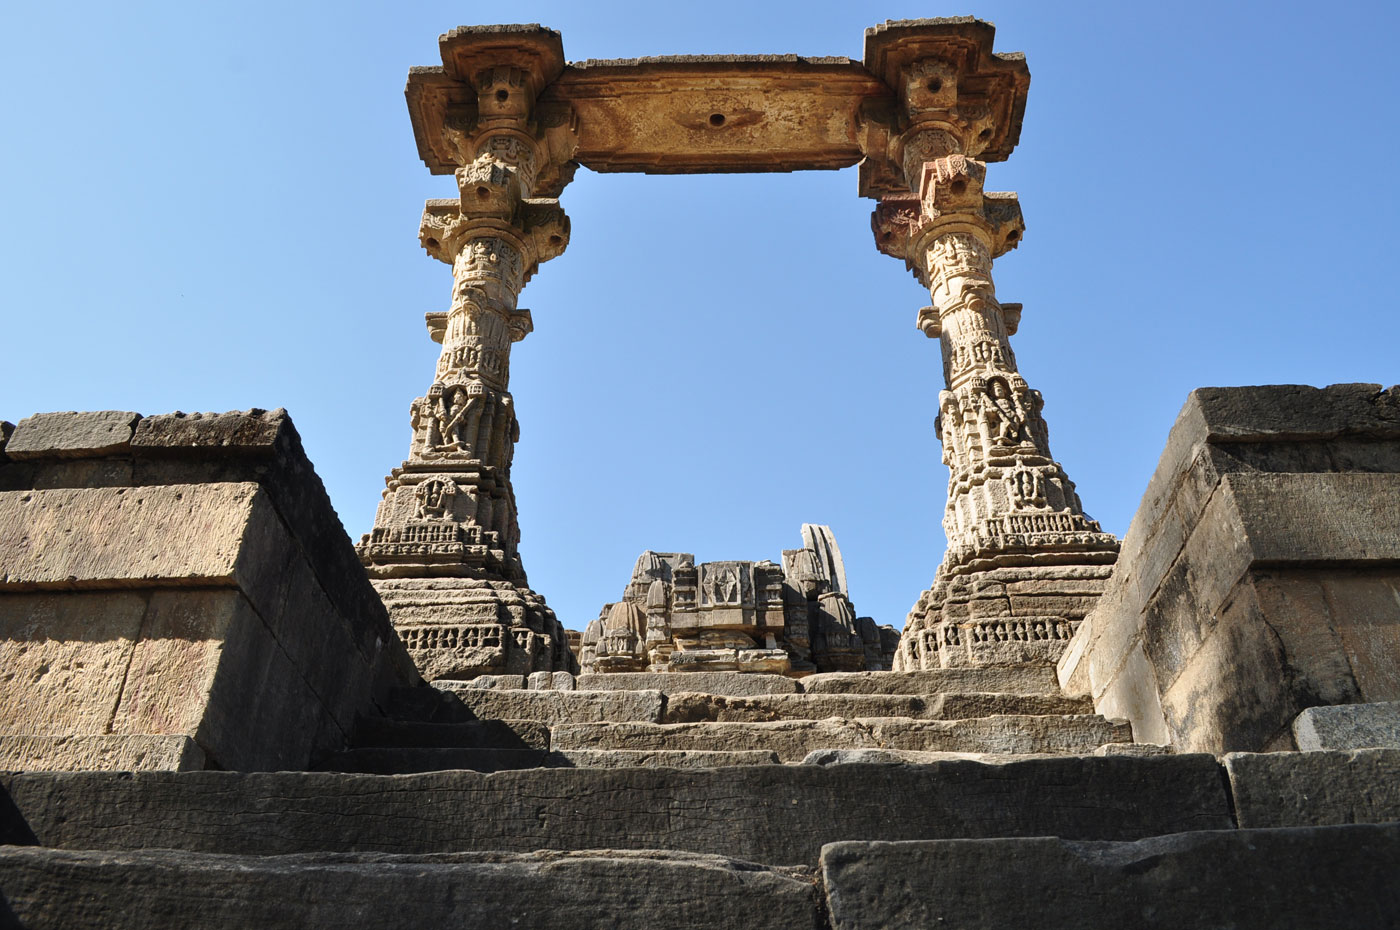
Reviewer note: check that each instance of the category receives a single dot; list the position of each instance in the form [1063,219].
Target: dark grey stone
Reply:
[70,434]
[1288,789]
[1308,877]
[766,813]
[42,889]
[1349,726]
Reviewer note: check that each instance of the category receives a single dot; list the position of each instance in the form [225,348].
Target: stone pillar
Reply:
[1024,563]
[444,549]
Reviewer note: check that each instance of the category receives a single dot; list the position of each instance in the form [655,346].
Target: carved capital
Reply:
[952,95]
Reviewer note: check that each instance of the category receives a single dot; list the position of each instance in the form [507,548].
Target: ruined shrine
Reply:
[793,619]
[218,711]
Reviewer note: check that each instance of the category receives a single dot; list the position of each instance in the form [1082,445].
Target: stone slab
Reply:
[1281,879]
[1349,726]
[415,760]
[496,682]
[1287,789]
[673,758]
[71,434]
[106,752]
[792,740]
[765,813]
[483,734]
[43,889]
[731,683]
[695,708]
[1025,680]
[558,707]
[76,537]
[64,659]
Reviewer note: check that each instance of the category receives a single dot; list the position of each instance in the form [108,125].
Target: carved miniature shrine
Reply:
[793,619]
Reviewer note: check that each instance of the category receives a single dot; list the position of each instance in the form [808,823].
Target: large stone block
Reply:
[43,889]
[64,659]
[764,813]
[1258,577]
[118,753]
[1349,726]
[72,435]
[114,537]
[1287,789]
[792,740]
[1301,878]
[558,707]
[189,579]
[732,683]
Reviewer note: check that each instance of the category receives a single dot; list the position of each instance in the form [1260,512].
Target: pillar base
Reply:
[1007,616]
[461,628]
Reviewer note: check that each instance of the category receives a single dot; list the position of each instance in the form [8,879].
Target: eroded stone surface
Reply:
[72,434]
[792,740]
[555,707]
[49,889]
[1349,726]
[1288,789]
[763,813]
[1247,879]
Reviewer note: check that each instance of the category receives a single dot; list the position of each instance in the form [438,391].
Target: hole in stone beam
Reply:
[502,95]
[935,85]
[985,134]
[1013,235]
[483,192]
[431,243]
[958,186]
[555,240]
[716,119]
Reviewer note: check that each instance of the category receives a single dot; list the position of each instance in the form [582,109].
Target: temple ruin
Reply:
[793,619]
[218,711]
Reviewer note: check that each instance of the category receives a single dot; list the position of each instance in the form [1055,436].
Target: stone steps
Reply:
[48,889]
[1295,878]
[410,760]
[1021,680]
[773,814]
[792,740]
[686,707]
[380,732]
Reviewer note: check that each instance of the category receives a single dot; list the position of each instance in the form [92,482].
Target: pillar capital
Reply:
[485,100]
[952,96]
[534,231]
[950,202]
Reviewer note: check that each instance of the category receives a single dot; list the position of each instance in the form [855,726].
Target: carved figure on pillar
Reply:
[443,553]
[1024,563]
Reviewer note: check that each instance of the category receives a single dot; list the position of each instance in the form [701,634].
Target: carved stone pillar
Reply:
[1024,563]
[443,553]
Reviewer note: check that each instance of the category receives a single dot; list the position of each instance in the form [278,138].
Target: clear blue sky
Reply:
[214,206]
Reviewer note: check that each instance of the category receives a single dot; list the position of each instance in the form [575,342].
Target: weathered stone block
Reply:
[1349,726]
[559,707]
[692,708]
[764,813]
[1257,580]
[72,435]
[109,752]
[99,537]
[732,683]
[48,889]
[1289,789]
[1246,879]
[64,659]
[1024,680]
[792,740]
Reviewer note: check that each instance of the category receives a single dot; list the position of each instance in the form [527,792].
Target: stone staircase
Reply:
[885,801]
[740,719]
